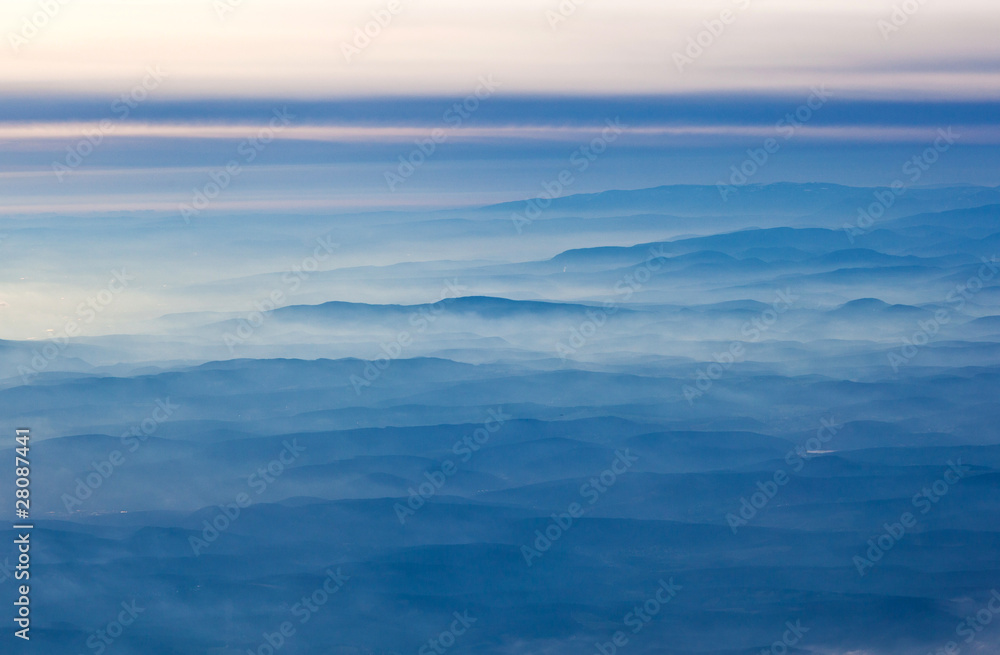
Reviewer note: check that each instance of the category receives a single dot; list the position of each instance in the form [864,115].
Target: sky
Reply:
[165,92]
[429,47]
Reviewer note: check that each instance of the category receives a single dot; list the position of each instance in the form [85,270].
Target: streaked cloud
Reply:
[294,48]
[33,132]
